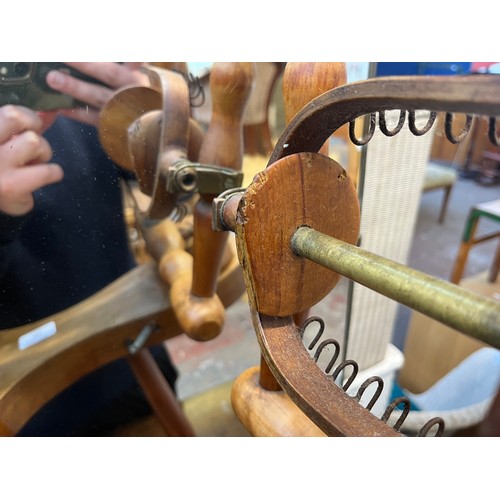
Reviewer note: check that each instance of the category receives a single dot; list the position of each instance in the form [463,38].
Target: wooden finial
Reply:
[303,81]
[230,86]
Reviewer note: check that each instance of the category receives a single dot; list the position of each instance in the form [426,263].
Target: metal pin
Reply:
[142,338]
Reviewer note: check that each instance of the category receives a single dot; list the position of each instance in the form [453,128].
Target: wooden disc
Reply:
[119,113]
[303,189]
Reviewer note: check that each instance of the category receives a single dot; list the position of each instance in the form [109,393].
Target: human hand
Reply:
[113,76]
[24,156]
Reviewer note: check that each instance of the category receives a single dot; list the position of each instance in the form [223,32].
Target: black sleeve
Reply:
[10,228]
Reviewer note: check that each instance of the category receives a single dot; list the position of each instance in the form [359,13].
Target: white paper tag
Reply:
[37,335]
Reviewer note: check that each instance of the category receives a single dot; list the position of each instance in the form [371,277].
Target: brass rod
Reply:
[450,304]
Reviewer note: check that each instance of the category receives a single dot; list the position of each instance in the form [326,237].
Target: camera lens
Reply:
[21,69]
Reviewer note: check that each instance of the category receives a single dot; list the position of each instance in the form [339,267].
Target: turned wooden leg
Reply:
[444,205]
[159,394]
[465,246]
[495,267]
[230,87]
[302,82]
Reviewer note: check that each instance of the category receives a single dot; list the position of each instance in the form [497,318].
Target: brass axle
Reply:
[450,304]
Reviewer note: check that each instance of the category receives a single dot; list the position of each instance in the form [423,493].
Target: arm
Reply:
[24,167]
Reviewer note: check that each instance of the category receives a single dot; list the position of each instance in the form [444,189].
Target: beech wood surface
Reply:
[257,134]
[267,413]
[230,86]
[89,335]
[315,393]
[126,105]
[266,378]
[303,189]
[201,318]
[160,395]
[302,82]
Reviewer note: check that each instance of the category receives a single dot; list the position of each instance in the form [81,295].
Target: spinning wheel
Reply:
[148,130]
[308,238]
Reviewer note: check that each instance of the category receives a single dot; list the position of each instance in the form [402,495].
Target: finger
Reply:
[26,147]
[17,186]
[17,119]
[90,93]
[113,74]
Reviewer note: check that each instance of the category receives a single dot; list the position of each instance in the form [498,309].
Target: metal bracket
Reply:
[188,177]
[218,204]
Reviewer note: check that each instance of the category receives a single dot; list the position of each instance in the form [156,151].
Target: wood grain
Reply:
[269,413]
[304,81]
[89,335]
[230,86]
[303,189]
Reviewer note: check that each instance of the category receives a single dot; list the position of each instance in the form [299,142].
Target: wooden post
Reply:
[230,86]
[302,82]
[160,395]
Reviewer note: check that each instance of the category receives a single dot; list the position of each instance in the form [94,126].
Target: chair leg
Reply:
[465,246]
[160,395]
[495,267]
[444,205]
[458,268]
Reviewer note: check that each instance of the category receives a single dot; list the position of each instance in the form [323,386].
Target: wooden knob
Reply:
[118,115]
[230,87]
[200,318]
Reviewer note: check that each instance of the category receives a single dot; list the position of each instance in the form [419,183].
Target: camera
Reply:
[24,84]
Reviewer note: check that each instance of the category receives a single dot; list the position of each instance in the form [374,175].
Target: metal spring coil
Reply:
[424,431]
[195,87]
[448,127]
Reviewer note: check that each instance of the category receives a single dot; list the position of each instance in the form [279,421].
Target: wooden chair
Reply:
[296,227]
[186,286]
[482,211]
[489,171]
